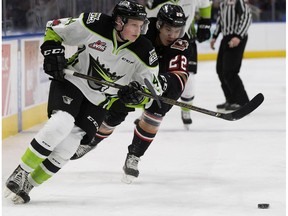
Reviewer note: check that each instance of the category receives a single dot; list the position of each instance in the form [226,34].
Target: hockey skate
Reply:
[84,149]
[186,118]
[222,107]
[232,107]
[18,187]
[81,151]
[130,169]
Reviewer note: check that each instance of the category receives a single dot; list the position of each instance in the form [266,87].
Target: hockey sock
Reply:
[104,131]
[33,156]
[47,169]
[98,138]
[188,101]
[140,142]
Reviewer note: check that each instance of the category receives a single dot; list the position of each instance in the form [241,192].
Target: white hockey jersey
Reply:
[100,55]
[189,7]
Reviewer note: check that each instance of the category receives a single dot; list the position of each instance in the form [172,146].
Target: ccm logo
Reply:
[53,51]
[94,122]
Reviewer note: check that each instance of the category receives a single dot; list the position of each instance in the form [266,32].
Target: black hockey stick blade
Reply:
[245,110]
[153,92]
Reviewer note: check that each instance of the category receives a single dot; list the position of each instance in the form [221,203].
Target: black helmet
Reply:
[127,9]
[173,15]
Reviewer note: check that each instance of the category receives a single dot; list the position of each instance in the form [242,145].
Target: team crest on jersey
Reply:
[98,70]
[99,45]
[153,57]
[92,17]
[180,44]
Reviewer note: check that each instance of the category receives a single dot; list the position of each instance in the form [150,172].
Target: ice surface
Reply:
[216,168]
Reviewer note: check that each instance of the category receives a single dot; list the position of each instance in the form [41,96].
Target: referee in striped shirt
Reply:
[233,21]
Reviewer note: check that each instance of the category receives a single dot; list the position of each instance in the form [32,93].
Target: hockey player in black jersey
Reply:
[167,35]
[201,34]
[110,48]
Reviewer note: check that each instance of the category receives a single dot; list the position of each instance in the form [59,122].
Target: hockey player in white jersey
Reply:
[167,33]
[202,34]
[110,48]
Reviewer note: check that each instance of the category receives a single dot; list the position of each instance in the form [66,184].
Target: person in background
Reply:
[234,19]
[201,34]
[109,48]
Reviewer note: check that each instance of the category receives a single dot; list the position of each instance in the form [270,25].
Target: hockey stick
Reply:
[236,115]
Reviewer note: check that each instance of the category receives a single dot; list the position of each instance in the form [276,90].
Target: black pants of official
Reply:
[228,67]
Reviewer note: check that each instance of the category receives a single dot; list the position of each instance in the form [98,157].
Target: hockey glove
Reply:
[54,59]
[128,94]
[203,30]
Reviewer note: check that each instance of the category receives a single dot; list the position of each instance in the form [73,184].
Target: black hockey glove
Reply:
[203,30]
[54,59]
[128,93]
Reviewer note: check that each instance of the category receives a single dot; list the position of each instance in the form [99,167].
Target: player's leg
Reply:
[144,133]
[188,94]
[114,117]
[147,128]
[51,165]
[188,97]
[56,129]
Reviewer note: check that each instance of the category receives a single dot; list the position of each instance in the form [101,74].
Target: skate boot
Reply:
[186,118]
[83,150]
[18,187]
[222,107]
[232,107]
[14,182]
[130,168]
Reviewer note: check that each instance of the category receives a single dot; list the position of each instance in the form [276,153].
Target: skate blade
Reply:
[17,200]
[128,179]
[8,193]
[225,111]
[186,127]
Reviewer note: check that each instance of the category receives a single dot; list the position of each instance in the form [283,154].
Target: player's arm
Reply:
[146,68]
[177,74]
[204,23]
[53,52]
[58,32]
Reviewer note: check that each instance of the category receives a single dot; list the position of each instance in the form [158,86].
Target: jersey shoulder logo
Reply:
[99,45]
[153,57]
[180,44]
[92,17]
